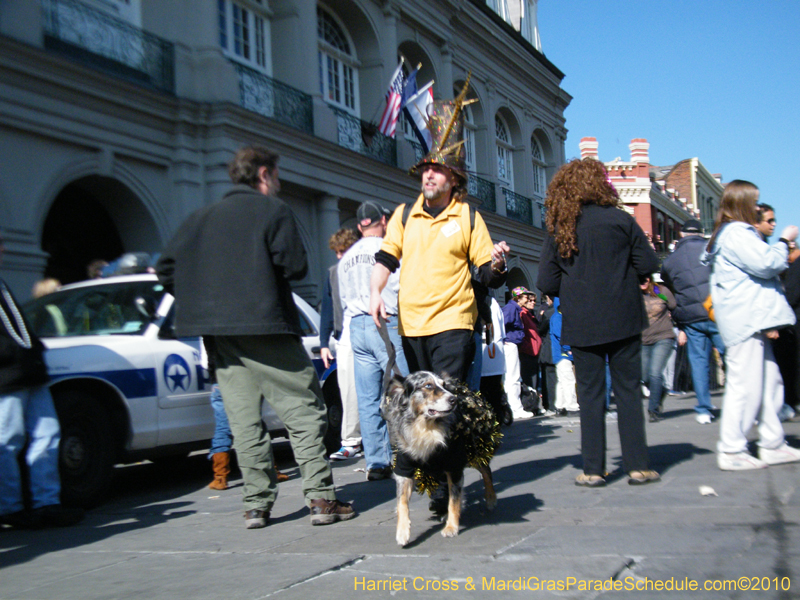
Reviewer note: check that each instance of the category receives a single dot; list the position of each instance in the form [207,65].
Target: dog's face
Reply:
[420,395]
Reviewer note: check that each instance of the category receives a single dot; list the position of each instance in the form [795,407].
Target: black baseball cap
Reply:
[692,226]
[370,212]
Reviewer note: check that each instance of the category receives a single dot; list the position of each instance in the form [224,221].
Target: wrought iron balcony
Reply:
[483,190]
[518,207]
[274,99]
[542,214]
[364,138]
[103,42]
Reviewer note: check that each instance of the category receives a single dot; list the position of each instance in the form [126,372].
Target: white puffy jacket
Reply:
[745,289]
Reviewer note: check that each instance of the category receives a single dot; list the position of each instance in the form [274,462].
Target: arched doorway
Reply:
[94,218]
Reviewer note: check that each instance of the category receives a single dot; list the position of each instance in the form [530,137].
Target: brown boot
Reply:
[221,463]
[281,476]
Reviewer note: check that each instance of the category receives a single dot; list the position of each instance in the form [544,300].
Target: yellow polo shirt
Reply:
[435,290]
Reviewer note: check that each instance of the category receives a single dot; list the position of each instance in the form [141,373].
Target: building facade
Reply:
[658,209]
[119,117]
[702,190]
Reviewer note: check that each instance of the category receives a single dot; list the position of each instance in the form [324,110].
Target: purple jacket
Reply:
[515,330]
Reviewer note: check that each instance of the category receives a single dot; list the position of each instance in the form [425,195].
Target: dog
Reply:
[436,426]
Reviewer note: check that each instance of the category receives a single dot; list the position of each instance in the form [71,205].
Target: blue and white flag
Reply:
[416,112]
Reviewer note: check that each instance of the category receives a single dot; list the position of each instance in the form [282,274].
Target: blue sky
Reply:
[713,79]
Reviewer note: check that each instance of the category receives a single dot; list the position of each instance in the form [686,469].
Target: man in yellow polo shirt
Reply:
[437,241]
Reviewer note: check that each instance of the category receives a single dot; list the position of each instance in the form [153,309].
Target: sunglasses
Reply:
[771,221]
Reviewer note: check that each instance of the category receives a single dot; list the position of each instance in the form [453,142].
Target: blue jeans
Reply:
[654,358]
[29,413]
[700,338]
[369,361]
[223,438]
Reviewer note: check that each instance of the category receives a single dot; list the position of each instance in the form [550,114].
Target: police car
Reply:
[126,388]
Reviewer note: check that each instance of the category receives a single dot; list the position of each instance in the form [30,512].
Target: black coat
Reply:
[20,367]
[791,281]
[543,313]
[688,279]
[601,301]
[229,267]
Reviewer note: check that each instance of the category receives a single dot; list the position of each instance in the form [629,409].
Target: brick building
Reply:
[661,199]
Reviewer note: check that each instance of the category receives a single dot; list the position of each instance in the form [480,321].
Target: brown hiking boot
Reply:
[281,476]
[221,464]
[325,512]
[256,518]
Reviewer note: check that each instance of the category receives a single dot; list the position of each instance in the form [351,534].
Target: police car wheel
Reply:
[86,452]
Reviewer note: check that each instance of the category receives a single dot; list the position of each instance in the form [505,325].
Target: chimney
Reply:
[639,150]
[588,148]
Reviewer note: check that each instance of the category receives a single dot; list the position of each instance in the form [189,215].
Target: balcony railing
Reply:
[518,207]
[364,138]
[103,42]
[483,190]
[274,99]
[542,214]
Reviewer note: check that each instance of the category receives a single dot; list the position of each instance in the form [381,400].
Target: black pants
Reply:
[786,355]
[549,381]
[492,390]
[449,352]
[529,369]
[625,362]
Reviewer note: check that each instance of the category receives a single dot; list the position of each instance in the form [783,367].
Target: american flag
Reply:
[394,100]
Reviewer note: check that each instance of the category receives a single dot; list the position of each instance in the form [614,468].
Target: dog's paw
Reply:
[491,504]
[403,537]
[450,531]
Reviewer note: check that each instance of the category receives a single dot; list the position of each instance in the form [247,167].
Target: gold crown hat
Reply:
[445,121]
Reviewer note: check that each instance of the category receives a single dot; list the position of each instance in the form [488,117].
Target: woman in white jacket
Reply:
[749,307]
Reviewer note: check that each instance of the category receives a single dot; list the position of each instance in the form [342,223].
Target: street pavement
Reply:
[164,534]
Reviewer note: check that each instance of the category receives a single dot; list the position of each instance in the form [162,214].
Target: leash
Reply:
[391,365]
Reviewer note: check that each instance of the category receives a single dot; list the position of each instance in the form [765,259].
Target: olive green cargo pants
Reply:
[277,368]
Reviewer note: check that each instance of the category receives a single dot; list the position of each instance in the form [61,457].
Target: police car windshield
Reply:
[103,309]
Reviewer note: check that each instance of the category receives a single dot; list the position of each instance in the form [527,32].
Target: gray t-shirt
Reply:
[355,272]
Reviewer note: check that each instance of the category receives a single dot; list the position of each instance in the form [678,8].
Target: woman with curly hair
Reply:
[594,259]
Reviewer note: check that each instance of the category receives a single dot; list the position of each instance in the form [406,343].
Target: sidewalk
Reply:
[164,534]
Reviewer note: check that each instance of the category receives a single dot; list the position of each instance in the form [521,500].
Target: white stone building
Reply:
[118,117]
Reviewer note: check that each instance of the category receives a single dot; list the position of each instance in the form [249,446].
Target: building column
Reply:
[329,220]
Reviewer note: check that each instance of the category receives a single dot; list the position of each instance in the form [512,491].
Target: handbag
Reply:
[709,308]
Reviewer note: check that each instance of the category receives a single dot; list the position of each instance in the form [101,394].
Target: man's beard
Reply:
[437,192]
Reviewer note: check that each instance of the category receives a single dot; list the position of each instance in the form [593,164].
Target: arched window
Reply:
[539,177]
[469,140]
[505,166]
[244,34]
[338,72]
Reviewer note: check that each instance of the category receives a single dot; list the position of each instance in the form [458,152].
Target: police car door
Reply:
[184,412]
